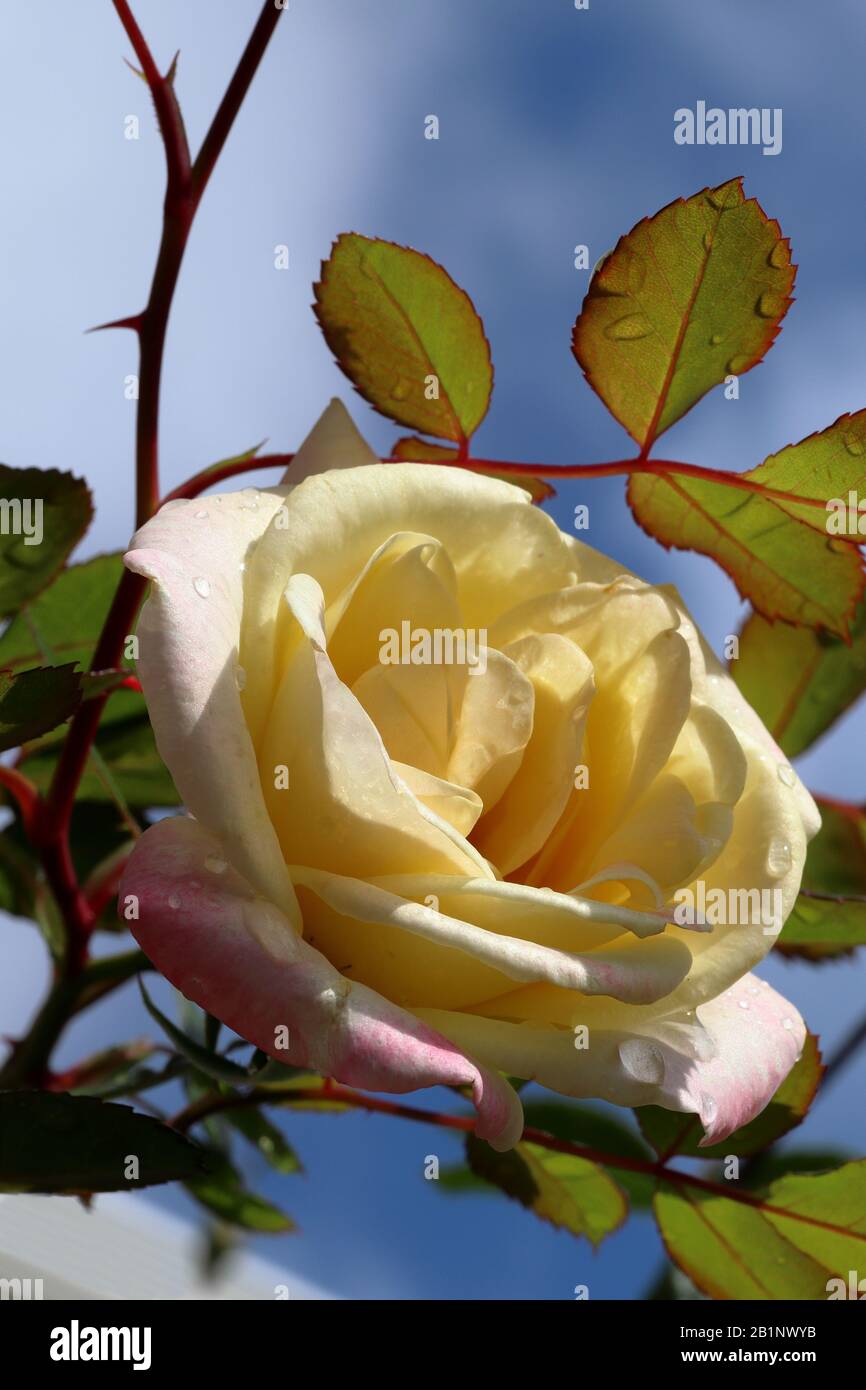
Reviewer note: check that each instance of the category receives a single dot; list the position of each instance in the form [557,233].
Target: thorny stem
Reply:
[332,1091]
[49,818]
[617,467]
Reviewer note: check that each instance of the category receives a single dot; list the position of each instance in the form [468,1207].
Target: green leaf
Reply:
[112,1066]
[767,1167]
[393,318]
[803,1232]
[44,514]
[673,1133]
[688,297]
[784,565]
[134,1080]
[64,623]
[264,1136]
[411,449]
[36,701]
[70,1144]
[798,680]
[600,1131]
[829,915]
[211,1063]
[571,1193]
[223,1194]
[135,770]
[24,891]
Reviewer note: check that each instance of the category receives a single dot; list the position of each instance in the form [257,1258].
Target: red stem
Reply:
[194,486]
[185,185]
[333,1091]
[639,465]
[23,791]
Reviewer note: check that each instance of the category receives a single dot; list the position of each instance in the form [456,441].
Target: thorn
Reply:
[138,72]
[170,75]
[133,322]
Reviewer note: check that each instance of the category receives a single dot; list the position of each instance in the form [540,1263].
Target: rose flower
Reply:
[412,862]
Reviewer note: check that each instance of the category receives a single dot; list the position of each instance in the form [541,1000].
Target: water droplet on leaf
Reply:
[628,328]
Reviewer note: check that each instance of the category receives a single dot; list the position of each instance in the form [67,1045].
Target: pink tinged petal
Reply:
[237,956]
[194,553]
[757,1037]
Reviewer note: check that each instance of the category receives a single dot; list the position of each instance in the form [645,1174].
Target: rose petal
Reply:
[238,957]
[725,1066]
[188,635]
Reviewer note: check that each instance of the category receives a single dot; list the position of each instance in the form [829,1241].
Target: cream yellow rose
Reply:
[418,862]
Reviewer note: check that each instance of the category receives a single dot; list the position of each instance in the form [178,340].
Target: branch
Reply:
[215,1103]
[660,467]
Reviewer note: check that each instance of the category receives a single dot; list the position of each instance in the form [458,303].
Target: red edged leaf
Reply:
[688,297]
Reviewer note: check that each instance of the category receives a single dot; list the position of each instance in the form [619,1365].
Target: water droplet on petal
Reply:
[201,586]
[770,305]
[643,1060]
[709,1109]
[628,328]
[787,775]
[215,864]
[788,1024]
[240,677]
[743,1003]
[174,901]
[779,858]
[201,516]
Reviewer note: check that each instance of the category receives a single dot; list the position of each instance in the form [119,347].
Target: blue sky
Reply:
[556,128]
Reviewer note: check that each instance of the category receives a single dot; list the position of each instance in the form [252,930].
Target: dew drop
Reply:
[780,256]
[769,305]
[642,1060]
[716,339]
[725,197]
[400,390]
[743,1003]
[636,274]
[240,677]
[201,516]
[854,445]
[215,865]
[709,1109]
[174,901]
[787,1024]
[201,586]
[738,363]
[779,858]
[787,775]
[628,328]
